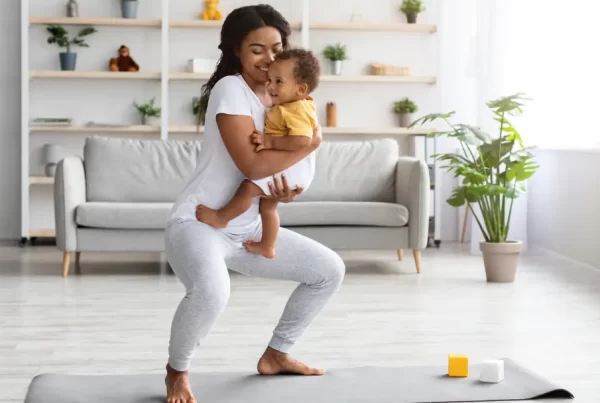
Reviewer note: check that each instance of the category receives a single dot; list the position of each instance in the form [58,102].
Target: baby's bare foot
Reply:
[178,387]
[274,362]
[210,217]
[260,248]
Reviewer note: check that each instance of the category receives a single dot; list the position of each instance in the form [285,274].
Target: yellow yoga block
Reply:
[458,365]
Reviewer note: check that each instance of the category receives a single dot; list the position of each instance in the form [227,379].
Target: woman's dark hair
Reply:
[236,26]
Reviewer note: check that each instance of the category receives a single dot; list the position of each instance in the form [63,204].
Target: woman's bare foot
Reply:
[260,248]
[210,217]
[178,387]
[274,362]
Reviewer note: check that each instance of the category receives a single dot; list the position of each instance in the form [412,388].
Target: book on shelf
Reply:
[52,121]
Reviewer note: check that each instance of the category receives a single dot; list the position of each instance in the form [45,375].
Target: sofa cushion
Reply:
[343,213]
[137,170]
[123,215]
[354,171]
[156,215]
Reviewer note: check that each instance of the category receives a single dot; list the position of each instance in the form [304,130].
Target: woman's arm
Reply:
[236,131]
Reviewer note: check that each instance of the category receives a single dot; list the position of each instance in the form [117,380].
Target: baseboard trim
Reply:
[565,258]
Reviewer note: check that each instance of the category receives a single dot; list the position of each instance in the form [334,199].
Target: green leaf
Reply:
[493,153]
[521,170]
[471,175]
[457,198]
[480,134]
[431,117]
[509,104]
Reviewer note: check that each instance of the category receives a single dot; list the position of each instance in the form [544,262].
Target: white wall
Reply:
[564,200]
[10,123]
[445,54]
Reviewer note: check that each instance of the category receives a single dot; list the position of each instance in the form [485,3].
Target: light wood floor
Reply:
[115,317]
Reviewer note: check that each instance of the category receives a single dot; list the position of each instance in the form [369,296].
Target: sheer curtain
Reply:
[549,50]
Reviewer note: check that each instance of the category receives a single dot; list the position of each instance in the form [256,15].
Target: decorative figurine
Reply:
[124,62]
[211,12]
[73,9]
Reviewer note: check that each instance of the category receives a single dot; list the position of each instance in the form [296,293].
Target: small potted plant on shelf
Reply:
[129,8]
[336,54]
[195,105]
[148,110]
[404,109]
[60,36]
[492,170]
[411,8]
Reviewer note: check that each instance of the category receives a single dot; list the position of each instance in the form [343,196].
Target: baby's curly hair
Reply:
[307,69]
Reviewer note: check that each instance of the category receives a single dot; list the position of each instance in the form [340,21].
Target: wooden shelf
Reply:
[41,180]
[378,79]
[95,129]
[99,75]
[195,24]
[120,75]
[116,22]
[189,76]
[376,130]
[365,26]
[211,24]
[335,130]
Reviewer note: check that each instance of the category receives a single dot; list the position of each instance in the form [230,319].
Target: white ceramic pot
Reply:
[404,119]
[336,67]
[501,260]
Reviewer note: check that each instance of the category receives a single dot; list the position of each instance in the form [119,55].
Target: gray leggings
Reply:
[200,256]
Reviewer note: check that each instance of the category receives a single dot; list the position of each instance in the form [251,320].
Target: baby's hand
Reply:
[257,137]
[262,142]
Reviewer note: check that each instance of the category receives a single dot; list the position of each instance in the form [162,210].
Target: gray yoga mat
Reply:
[348,385]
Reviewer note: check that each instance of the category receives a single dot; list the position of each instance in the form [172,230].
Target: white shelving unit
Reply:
[166,25]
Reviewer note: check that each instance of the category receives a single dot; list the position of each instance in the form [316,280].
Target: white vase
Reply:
[336,67]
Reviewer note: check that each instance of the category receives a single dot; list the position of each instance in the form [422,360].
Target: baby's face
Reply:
[282,85]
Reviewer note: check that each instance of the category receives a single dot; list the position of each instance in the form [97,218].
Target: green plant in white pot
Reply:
[412,8]
[148,110]
[60,36]
[336,54]
[404,109]
[492,171]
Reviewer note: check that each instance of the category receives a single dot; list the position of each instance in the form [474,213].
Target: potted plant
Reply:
[129,8]
[404,109]
[147,110]
[336,54]
[492,171]
[60,36]
[411,8]
[195,105]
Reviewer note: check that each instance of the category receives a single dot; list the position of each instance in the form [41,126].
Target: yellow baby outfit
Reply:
[297,118]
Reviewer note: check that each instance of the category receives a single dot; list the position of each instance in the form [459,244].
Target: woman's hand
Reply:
[280,190]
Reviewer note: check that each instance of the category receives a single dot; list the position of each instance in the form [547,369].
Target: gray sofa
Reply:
[119,196]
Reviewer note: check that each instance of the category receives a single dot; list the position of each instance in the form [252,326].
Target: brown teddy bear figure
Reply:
[124,62]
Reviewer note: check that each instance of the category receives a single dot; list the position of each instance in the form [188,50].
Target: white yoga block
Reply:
[492,371]
[201,65]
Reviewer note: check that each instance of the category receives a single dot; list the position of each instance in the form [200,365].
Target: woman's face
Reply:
[258,51]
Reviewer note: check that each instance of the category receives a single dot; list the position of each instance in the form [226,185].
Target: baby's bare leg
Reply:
[270,228]
[239,203]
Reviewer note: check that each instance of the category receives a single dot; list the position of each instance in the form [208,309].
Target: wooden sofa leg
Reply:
[66,262]
[417,255]
[400,254]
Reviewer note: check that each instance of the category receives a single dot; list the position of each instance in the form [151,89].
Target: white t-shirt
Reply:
[216,178]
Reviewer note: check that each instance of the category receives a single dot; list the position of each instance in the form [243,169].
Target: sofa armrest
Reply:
[412,191]
[69,192]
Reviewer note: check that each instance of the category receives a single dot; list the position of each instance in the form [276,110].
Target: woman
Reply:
[232,108]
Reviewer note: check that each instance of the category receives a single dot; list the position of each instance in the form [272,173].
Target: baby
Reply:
[293,75]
